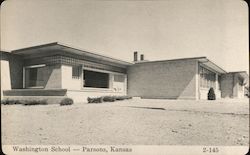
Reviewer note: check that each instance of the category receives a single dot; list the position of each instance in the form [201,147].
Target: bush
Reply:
[66,101]
[123,97]
[211,94]
[10,102]
[34,102]
[24,102]
[107,99]
[95,100]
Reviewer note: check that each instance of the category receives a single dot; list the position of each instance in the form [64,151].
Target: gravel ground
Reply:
[135,122]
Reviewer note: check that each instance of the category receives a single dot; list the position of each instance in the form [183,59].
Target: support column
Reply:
[111,81]
[5,76]
[126,84]
[197,84]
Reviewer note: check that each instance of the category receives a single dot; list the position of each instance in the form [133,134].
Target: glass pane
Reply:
[207,77]
[34,77]
[96,79]
[76,71]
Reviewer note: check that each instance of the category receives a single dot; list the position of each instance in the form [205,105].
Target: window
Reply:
[207,78]
[35,77]
[76,72]
[119,78]
[219,82]
[94,79]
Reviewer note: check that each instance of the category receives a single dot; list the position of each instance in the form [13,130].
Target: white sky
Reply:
[160,30]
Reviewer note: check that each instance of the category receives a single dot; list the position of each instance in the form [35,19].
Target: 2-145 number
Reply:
[210,149]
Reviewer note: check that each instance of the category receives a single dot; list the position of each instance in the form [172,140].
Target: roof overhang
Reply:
[206,62]
[242,74]
[59,48]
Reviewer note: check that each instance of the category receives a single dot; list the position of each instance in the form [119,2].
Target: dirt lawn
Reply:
[135,122]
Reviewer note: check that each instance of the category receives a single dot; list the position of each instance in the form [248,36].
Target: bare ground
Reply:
[131,122]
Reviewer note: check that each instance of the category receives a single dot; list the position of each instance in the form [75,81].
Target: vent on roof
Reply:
[142,57]
[135,56]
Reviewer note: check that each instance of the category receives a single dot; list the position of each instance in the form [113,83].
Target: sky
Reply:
[161,30]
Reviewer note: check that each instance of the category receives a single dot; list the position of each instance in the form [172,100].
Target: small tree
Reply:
[66,101]
[211,94]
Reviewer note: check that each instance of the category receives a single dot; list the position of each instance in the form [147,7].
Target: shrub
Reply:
[106,99]
[10,102]
[123,97]
[211,94]
[66,101]
[34,102]
[24,102]
[109,98]
[95,100]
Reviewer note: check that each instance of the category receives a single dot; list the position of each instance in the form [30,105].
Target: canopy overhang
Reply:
[243,75]
[56,48]
[208,63]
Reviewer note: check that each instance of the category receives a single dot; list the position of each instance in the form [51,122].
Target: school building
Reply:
[59,70]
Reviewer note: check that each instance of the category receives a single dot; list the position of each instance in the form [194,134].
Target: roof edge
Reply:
[216,65]
[191,58]
[34,47]
[238,72]
[91,52]
[68,46]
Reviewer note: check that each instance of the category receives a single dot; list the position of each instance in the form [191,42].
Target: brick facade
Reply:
[79,93]
[14,65]
[53,76]
[163,79]
[231,87]
[170,79]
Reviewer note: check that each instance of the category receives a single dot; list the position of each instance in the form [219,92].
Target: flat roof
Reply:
[55,47]
[204,60]
[243,74]
[63,48]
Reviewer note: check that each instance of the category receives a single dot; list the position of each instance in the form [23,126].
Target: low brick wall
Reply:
[81,96]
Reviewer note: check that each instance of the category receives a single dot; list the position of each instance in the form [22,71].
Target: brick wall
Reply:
[5,76]
[230,87]
[80,94]
[54,76]
[163,79]
[12,69]
[227,85]
[67,81]
[16,72]
[58,59]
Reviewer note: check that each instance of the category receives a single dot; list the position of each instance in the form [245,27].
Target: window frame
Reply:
[111,78]
[24,76]
[79,68]
[107,80]
[206,80]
